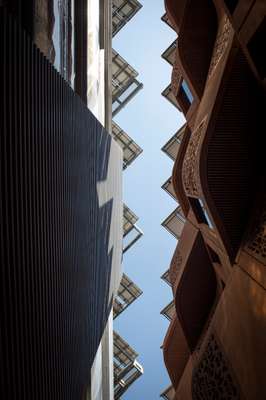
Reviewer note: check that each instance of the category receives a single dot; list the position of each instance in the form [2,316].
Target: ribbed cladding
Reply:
[24,12]
[232,169]
[196,41]
[55,264]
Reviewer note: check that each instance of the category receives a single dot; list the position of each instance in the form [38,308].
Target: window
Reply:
[187,91]
[200,212]
[209,223]
[185,96]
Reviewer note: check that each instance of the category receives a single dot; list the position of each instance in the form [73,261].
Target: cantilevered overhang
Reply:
[168,393]
[195,284]
[126,367]
[174,223]
[175,351]
[174,13]
[169,311]
[166,278]
[122,12]
[169,188]
[167,21]
[127,293]
[221,169]
[169,54]
[169,95]
[124,82]
[132,233]
[171,147]
[197,33]
[131,150]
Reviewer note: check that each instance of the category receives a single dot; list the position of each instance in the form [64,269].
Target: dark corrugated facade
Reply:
[58,253]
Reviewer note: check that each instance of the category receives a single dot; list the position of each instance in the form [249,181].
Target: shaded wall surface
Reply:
[61,226]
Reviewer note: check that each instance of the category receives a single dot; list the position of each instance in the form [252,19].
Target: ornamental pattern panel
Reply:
[176,78]
[190,174]
[220,45]
[212,378]
[175,266]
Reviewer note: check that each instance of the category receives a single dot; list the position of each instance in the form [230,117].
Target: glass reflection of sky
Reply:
[187,91]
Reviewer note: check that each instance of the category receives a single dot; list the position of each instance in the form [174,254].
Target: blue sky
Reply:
[150,120]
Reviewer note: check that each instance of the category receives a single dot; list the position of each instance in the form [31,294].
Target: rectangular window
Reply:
[200,212]
[187,91]
[209,223]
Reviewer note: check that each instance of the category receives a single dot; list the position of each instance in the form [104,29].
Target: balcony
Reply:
[170,53]
[166,278]
[124,83]
[131,150]
[167,21]
[169,311]
[221,168]
[169,95]
[168,394]
[171,148]
[175,351]
[195,286]
[127,293]
[132,233]
[169,188]
[122,12]
[197,25]
[174,12]
[126,367]
[174,223]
